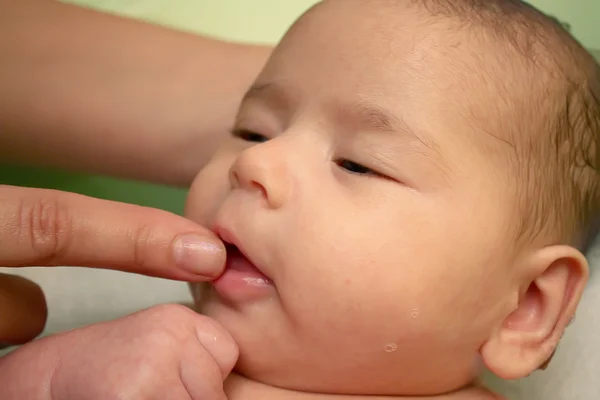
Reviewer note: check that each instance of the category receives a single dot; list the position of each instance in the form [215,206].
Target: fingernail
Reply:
[201,255]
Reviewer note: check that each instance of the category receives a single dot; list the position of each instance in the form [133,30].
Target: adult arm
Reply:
[94,92]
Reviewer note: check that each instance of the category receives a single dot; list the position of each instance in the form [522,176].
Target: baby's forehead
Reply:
[402,56]
[447,65]
[395,39]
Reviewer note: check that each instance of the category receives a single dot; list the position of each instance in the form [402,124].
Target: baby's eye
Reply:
[249,136]
[355,168]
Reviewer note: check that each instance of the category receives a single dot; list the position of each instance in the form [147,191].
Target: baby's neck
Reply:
[240,388]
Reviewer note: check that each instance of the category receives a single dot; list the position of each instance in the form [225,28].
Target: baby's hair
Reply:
[554,152]
[548,86]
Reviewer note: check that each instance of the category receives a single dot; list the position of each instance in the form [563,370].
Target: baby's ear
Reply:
[553,280]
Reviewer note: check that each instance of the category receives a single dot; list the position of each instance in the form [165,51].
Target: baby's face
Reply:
[358,185]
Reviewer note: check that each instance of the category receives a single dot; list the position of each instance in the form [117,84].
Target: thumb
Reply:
[219,343]
[46,227]
[204,367]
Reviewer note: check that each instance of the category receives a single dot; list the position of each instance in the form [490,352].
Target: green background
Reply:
[246,20]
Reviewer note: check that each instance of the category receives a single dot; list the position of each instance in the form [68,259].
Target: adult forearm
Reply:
[94,92]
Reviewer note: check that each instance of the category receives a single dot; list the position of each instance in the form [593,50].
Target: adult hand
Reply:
[166,352]
[50,228]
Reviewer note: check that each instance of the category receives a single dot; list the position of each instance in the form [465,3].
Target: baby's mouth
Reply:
[237,261]
[241,280]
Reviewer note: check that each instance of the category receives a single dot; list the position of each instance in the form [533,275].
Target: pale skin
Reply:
[166,352]
[113,360]
[96,93]
[113,95]
[240,388]
[303,152]
[371,202]
[92,92]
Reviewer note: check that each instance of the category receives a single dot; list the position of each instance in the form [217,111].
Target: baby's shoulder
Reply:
[239,388]
[477,394]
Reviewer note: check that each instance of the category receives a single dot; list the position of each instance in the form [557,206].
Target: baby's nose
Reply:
[263,169]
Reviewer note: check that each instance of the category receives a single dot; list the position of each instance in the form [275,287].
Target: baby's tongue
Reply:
[242,281]
[236,261]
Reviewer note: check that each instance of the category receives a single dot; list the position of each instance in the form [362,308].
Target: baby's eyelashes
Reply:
[249,136]
[354,167]
[343,163]
[358,169]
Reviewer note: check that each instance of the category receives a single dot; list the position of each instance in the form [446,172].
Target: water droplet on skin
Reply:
[391,347]
[415,313]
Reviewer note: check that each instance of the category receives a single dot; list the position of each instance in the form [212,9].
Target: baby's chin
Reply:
[301,378]
[290,364]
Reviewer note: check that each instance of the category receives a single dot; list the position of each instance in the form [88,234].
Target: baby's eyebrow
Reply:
[371,116]
[374,117]
[273,94]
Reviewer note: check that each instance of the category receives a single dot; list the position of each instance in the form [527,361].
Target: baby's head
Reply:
[416,179]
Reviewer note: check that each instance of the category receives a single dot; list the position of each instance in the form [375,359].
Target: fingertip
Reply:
[219,343]
[200,254]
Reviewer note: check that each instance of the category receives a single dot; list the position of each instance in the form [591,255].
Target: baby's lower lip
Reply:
[242,281]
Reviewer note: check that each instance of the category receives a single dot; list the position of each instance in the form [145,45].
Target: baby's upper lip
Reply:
[228,237]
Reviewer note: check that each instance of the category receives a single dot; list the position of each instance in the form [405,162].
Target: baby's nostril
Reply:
[259,187]
[234,178]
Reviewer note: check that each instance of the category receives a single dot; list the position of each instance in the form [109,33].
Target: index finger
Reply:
[40,227]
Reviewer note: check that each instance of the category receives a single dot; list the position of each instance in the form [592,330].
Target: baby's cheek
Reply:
[207,193]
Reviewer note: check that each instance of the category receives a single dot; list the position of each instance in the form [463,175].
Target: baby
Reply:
[406,197]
